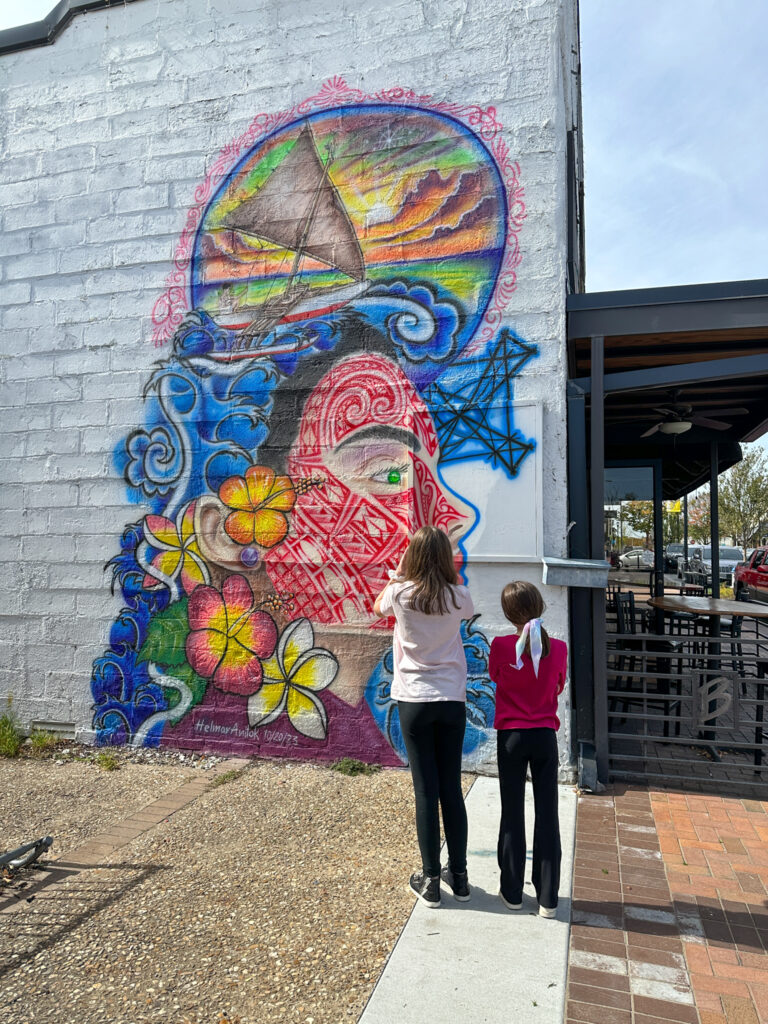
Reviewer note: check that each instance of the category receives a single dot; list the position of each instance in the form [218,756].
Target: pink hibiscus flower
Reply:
[228,637]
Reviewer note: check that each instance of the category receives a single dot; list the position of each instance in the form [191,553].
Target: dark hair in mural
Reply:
[354,335]
[327,367]
[428,564]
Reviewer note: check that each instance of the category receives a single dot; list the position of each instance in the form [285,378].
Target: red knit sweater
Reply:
[522,700]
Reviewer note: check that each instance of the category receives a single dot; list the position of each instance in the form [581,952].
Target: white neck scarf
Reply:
[532,628]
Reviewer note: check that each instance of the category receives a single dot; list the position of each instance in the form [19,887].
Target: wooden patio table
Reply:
[717,608]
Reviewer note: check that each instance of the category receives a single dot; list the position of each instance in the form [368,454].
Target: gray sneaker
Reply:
[457,882]
[426,888]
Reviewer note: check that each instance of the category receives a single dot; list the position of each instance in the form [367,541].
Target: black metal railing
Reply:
[686,706]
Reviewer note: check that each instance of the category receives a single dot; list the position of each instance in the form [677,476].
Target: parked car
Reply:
[700,560]
[637,558]
[673,553]
[751,577]
[742,564]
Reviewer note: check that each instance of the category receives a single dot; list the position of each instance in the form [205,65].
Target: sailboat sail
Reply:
[299,208]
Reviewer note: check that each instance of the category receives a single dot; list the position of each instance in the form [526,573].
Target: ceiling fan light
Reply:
[675,427]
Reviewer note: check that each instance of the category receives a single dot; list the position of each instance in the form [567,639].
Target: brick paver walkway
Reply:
[716,857]
[670,918]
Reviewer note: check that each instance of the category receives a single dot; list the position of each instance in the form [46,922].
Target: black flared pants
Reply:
[517,749]
[434,735]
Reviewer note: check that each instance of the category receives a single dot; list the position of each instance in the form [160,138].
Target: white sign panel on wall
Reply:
[510,516]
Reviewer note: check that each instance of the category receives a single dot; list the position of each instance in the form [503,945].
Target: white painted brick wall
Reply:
[106,135]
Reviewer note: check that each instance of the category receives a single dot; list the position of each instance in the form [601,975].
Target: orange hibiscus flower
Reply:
[261,501]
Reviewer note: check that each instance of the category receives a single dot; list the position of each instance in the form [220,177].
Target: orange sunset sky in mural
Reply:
[415,188]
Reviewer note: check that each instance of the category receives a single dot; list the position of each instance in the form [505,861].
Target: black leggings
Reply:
[434,735]
[517,748]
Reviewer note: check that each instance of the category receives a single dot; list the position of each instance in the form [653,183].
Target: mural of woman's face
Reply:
[367,434]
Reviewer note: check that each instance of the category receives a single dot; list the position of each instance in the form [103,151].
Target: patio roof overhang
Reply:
[704,346]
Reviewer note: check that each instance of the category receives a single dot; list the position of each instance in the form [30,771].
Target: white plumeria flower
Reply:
[293,676]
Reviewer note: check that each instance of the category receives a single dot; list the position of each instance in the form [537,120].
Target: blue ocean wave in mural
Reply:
[124,696]
[423,330]
[481,696]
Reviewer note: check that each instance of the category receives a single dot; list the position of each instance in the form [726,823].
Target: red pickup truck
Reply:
[751,577]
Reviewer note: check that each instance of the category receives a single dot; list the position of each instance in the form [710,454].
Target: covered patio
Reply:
[664,385]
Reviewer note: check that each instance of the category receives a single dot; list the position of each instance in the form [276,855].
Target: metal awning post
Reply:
[714,518]
[658,544]
[685,532]
[580,598]
[597,544]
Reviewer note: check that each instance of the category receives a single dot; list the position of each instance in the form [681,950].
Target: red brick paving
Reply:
[670,910]
[727,965]
[626,961]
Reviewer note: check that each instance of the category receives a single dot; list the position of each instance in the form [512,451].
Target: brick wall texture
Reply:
[130,147]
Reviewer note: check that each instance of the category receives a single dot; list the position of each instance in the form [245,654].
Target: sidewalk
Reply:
[670,919]
[477,962]
[667,922]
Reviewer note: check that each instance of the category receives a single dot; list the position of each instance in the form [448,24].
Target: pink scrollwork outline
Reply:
[170,308]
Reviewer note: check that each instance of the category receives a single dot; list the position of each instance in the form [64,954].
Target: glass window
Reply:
[628,483]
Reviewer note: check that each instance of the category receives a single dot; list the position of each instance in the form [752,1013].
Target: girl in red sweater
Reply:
[529,671]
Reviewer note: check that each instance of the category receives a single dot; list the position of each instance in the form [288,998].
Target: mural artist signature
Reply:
[207,726]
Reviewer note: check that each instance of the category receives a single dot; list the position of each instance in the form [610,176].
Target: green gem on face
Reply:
[394,476]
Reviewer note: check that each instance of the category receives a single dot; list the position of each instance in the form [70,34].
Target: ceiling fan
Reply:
[679,417]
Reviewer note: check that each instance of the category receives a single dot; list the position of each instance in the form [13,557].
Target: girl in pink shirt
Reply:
[430,682]
[529,671]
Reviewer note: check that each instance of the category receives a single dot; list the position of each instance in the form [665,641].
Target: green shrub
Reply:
[42,741]
[11,736]
[230,776]
[349,766]
[107,761]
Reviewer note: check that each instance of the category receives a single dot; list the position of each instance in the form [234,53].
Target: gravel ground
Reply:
[274,897]
[71,798]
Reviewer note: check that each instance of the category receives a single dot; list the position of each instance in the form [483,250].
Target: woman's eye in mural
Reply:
[393,475]
[375,460]
[391,478]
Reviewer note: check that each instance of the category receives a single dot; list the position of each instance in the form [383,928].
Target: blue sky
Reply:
[674,97]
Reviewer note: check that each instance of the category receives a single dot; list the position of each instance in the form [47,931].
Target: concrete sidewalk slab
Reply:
[479,962]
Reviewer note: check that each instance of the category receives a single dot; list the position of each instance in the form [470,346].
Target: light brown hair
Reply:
[521,602]
[428,564]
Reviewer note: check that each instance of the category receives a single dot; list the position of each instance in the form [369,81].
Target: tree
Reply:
[699,518]
[639,516]
[743,498]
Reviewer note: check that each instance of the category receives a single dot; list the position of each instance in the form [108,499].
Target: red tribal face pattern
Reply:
[368,434]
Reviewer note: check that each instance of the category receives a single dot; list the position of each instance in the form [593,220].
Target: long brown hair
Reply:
[428,564]
[521,602]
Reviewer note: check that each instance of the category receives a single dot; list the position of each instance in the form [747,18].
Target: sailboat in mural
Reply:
[299,209]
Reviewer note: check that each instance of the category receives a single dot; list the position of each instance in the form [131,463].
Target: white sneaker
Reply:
[512,906]
[547,911]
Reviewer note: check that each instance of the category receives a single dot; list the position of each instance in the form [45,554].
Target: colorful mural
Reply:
[332,318]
